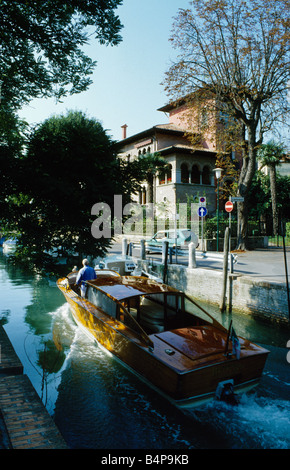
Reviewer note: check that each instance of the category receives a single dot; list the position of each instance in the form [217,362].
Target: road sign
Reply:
[202,211]
[229,206]
[237,199]
[202,201]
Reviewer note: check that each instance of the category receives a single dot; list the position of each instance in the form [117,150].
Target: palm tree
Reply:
[152,164]
[269,156]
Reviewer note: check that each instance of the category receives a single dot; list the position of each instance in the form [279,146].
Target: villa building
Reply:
[191,166]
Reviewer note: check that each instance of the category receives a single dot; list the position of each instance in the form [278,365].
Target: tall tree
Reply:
[70,165]
[12,139]
[41,44]
[260,199]
[270,155]
[237,53]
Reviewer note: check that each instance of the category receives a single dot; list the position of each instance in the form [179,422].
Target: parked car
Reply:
[181,237]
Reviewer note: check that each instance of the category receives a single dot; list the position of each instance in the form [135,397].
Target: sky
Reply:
[127,80]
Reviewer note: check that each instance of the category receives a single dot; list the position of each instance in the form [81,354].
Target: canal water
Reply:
[98,404]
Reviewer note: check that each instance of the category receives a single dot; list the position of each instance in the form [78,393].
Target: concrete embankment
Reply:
[267,300]
[257,287]
[27,424]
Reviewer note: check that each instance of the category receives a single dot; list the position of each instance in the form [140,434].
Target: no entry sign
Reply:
[229,206]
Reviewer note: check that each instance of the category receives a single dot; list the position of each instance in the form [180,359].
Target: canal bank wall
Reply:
[267,300]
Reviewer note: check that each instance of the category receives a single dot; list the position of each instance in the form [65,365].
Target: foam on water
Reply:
[256,422]
[267,419]
[64,328]
[70,334]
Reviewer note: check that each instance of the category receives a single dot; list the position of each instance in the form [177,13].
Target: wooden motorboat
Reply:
[164,336]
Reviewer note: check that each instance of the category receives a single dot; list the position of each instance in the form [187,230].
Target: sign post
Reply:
[176,218]
[229,207]
[201,212]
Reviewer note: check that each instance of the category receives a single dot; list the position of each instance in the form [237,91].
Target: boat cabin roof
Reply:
[124,287]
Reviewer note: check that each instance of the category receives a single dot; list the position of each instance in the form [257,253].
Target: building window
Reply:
[184,173]
[169,174]
[165,176]
[206,175]
[195,178]
[161,176]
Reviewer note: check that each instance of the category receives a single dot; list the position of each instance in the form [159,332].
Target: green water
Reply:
[99,404]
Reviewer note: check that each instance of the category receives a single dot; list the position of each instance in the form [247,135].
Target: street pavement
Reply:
[266,264]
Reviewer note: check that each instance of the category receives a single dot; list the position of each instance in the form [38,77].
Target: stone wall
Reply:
[247,295]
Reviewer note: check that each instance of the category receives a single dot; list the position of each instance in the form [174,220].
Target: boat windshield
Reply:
[101,300]
[116,310]
[163,311]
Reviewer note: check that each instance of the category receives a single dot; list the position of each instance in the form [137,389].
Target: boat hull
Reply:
[184,380]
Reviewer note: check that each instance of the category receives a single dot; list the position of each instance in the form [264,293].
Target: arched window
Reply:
[195,175]
[184,173]
[206,175]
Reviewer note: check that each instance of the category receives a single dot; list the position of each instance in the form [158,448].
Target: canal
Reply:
[99,404]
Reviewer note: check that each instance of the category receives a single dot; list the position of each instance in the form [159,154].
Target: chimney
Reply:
[124,127]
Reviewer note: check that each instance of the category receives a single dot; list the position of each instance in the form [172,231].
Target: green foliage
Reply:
[12,138]
[270,153]
[70,165]
[260,197]
[211,227]
[42,46]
